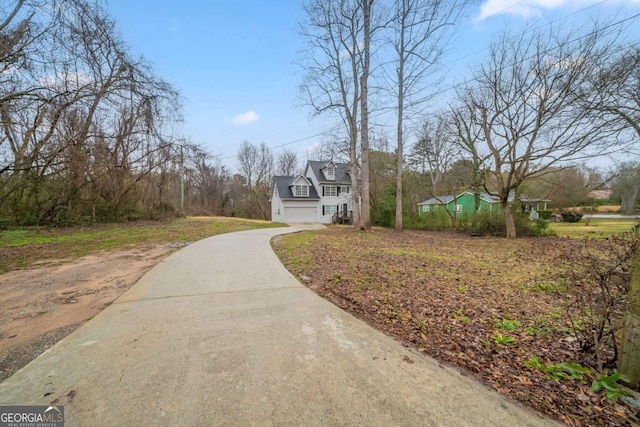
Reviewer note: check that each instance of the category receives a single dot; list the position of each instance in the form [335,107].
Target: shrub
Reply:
[493,224]
[545,214]
[435,220]
[597,285]
[569,216]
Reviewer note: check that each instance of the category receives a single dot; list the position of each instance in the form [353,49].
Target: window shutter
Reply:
[323,205]
[338,190]
[323,193]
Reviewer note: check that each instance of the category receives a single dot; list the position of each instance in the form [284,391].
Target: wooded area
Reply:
[92,134]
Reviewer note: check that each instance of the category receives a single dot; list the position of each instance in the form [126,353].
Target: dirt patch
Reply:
[44,303]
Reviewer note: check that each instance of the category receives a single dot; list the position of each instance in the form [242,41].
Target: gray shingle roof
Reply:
[444,200]
[342,172]
[283,183]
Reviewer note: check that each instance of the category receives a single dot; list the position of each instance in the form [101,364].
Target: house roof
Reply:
[445,200]
[442,200]
[284,183]
[342,172]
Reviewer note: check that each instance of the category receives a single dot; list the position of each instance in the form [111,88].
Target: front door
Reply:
[345,207]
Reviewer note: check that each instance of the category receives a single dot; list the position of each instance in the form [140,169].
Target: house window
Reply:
[425,208]
[344,189]
[329,209]
[301,191]
[331,172]
[330,190]
[458,208]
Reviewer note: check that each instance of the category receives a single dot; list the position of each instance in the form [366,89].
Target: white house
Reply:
[321,194]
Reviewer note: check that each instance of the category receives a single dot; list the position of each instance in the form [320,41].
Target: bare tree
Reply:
[523,105]
[614,88]
[435,151]
[420,29]
[287,163]
[365,214]
[83,123]
[257,166]
[333,64]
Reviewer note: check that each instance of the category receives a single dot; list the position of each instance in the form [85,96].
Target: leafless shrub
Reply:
[597,284]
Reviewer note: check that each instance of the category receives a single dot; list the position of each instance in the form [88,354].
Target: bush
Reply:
[569,216]
[436,220]
[545,214]
[487,223]
[493,224]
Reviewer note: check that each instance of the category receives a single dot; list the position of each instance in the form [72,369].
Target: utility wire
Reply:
[458,85]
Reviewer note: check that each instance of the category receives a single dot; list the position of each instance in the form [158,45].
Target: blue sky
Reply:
[234,61]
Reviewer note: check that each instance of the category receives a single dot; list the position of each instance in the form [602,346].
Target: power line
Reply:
[465,82]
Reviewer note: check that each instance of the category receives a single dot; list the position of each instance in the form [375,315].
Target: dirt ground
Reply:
[42,304]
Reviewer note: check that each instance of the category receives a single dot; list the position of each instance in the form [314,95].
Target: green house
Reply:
[464,204]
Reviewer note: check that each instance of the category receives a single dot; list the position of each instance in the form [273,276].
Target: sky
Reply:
[234,62]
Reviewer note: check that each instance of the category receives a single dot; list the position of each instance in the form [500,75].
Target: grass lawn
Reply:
[22,246]
[495,307]
[595,227]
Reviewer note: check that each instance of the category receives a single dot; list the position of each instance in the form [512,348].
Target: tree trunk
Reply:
[629,364]
[629,201]
[509,220]
[399,131]
[355,187]
[399,225]
[365,214]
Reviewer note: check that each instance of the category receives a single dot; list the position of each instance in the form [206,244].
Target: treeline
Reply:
[88,132]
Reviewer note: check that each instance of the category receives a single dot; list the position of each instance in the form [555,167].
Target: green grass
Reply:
[22,246]
[592,228]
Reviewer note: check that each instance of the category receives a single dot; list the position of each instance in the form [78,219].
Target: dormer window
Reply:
[301,190]
[330,171]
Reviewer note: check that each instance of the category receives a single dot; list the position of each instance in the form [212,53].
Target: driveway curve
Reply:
[220,334]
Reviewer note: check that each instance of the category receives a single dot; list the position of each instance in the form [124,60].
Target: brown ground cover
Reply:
[483,304]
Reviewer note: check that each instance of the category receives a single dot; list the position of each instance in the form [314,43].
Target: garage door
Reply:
[297,214]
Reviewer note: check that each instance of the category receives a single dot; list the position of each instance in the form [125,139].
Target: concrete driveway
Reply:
[220,334]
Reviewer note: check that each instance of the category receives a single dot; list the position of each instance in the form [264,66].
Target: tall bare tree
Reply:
[367,12]
[419,32]
[333,64]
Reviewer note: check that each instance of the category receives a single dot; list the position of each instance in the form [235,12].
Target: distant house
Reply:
[464,203]
[321,194]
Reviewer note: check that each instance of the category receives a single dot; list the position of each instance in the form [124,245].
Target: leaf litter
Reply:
[486,305]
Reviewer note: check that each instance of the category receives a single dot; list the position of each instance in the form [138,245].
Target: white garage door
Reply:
[297,214]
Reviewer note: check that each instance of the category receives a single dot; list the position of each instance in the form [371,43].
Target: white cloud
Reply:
[245,118]
[527,8]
